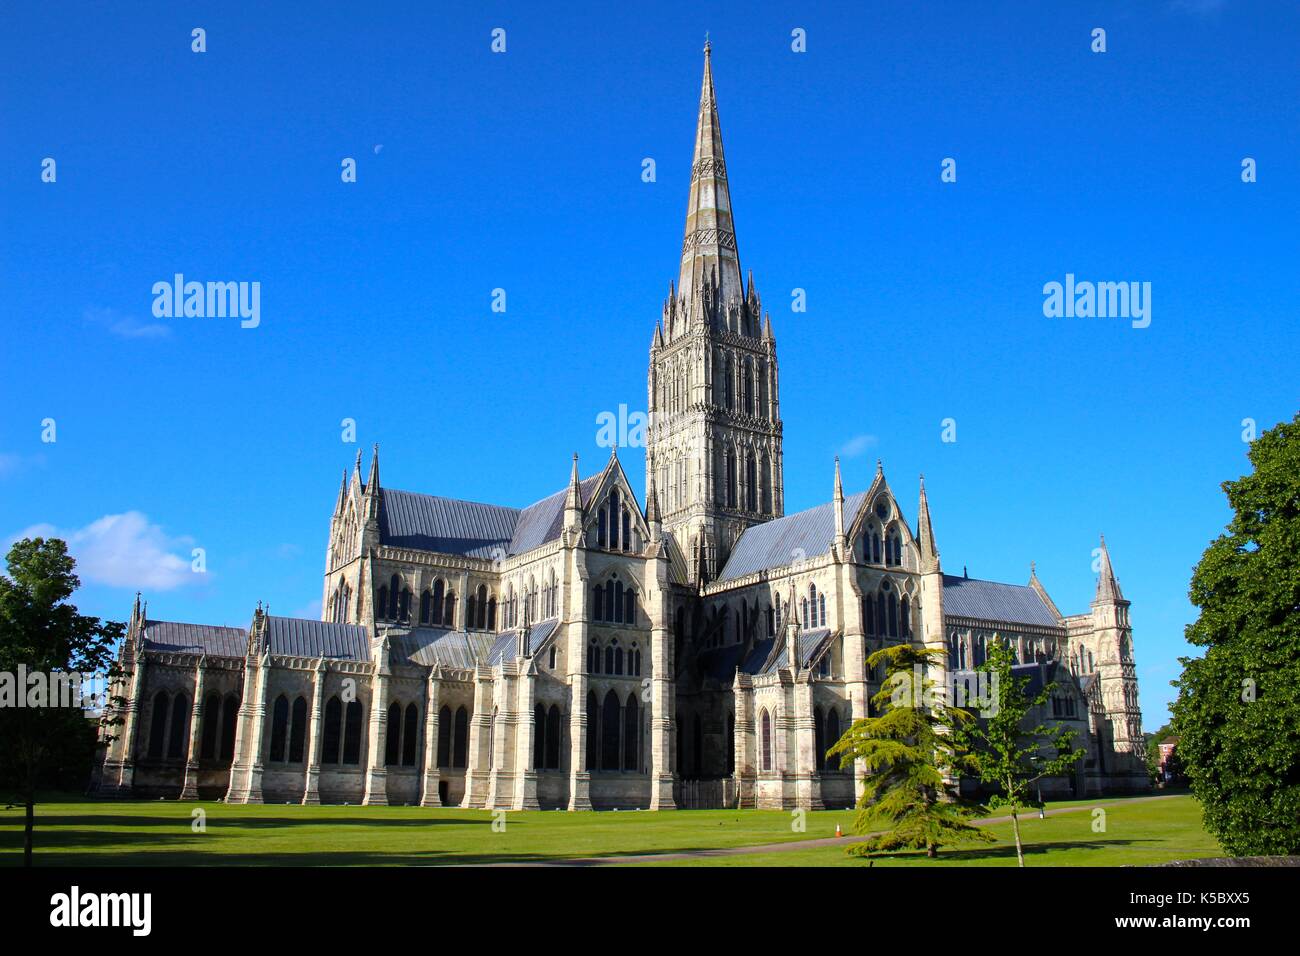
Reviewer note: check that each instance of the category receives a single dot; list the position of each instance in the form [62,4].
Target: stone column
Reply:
[377,738]
[190,789]
[525,739]
[746,753]
[661,717]
[480,732]
[311,791]
[579,775]
[130,729]
[246,770]
[429,796]
[808,789]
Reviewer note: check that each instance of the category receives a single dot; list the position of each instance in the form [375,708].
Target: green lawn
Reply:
[90,833]
[1136,834]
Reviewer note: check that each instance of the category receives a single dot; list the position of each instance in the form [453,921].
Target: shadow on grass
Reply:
[215,818]
[1009,851]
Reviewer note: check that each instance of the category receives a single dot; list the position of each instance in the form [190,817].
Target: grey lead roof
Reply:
[179,638]
[543,521]
[991,601]
[427,646]
[721,663]
[469,528]
[444,525]
[777,543]
[298,637]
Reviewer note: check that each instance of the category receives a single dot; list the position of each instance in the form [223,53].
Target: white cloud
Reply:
[125,551]
[127,326]
[858,445]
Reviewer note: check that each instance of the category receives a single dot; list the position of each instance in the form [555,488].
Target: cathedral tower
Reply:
[1112,640]
[714,446]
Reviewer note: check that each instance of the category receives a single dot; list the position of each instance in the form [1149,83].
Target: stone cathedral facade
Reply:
[589,651]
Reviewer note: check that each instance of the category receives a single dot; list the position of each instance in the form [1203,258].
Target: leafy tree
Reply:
[1237,714]
[1007,755]
[41,631]
[911,761]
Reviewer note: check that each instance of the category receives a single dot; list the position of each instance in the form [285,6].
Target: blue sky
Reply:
[522,171]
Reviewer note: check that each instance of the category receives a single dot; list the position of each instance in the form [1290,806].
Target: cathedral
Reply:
[701,649]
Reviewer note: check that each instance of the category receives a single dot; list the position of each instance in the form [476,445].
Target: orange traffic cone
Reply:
[838,832]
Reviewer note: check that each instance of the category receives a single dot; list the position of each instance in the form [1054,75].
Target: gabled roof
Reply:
[543,521]
[299,637]
[471,529]
[775,544]
[445,525]
[722,662]
[992,601]
[507,643]
[175,637]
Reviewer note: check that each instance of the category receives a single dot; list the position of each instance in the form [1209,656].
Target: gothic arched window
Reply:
[553,731]
[211,723]
[158,725]
[333,732]
[444,736]
[410,735]
[905,626]
[613,519]
[766,721]
[354,720]
[393,740]
[229,721]
[279,728]
[436,608]
[178,735]
[631,734]
[461,738]
[609,732]
[832,737]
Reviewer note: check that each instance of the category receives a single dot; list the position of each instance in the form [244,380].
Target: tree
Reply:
[1237,714]
[1006,755]
[41,633]
[911,761]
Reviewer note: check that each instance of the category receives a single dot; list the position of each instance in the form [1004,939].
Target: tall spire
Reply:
[343,494]
[1107,584]
[652,504]
[709,247]
[372,483]
[925,534]
[839,504]
[573,501]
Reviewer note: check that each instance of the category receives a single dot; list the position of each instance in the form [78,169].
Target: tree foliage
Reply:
[1237,714]
[1006,754]
[911,762]
[41,632]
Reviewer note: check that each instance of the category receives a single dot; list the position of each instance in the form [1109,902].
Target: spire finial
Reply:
[707,45]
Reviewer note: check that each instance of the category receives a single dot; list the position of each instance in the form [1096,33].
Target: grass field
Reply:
[160,833]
